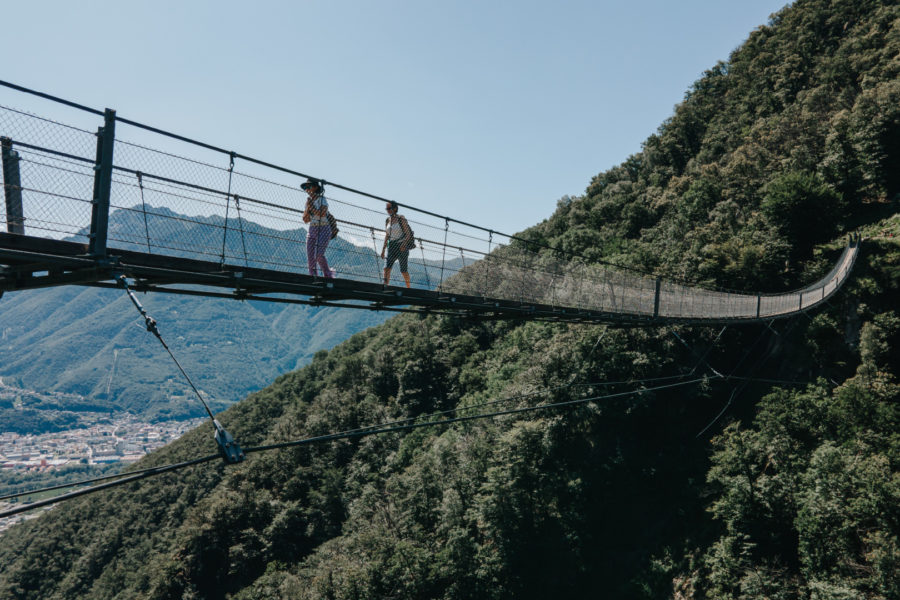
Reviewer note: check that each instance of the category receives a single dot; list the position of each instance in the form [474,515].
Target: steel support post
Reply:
[656,298]
[106,136]
[444,254]
[12,186]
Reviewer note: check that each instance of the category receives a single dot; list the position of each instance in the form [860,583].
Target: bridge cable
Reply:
[444,253]
[779,381]
[140,179]
[386,427]
[745,381]
[379,271]
[237,205]
[597,343]
[705,354]
[227,204]
[383,424]
[424,264]
[735,390]
[103,486]
[466,418]
[228,447]
[378,429]
[61,486]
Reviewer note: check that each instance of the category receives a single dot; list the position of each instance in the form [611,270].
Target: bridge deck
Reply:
[34,262]
[37,262]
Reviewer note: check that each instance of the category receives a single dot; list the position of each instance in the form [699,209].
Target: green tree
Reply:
[804,209]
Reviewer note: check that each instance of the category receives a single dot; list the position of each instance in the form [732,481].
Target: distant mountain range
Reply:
[92,342]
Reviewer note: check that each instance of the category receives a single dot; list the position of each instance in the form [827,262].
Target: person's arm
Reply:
[306,217]
[386,234]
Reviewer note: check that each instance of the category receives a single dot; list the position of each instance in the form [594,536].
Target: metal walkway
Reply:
[85,206]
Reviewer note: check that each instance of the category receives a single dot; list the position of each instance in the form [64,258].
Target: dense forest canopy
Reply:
[779,482]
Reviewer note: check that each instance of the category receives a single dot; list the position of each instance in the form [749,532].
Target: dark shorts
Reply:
[395,254]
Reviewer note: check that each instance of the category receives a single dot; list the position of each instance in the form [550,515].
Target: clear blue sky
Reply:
[488,111]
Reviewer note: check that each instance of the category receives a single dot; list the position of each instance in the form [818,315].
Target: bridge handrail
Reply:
[236,155]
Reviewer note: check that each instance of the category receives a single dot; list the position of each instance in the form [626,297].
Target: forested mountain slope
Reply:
[780,481]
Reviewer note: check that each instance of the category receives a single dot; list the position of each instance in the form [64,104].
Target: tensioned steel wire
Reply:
[187,199]
[466,408]
[463,414]
[437,419]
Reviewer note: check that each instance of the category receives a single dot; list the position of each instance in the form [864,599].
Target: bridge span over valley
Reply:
[91,196]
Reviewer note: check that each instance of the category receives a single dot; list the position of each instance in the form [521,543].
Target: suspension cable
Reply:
[377,429]
[227,205]
[75,483]
[434,423]
[228,447]
[382,428]
[744,381]
[705,354]
[424,264]
[434,414]
[104,486]
[388,423]
[237,205]
[444,253]
[140,179]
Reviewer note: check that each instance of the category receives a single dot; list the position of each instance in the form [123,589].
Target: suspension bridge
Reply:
[95,199]
[91,197]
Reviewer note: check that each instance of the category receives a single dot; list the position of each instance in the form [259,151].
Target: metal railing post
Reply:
[12,185]
[486,267]
[656,298]
[106,136]
[444,254]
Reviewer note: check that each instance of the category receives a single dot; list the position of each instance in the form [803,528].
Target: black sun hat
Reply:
[311,183]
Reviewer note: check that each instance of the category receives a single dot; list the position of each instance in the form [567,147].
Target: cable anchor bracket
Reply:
[228,447]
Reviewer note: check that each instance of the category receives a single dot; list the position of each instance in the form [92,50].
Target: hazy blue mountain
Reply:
[93,342]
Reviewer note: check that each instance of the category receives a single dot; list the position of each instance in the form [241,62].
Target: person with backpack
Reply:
[398,240]
[316,215]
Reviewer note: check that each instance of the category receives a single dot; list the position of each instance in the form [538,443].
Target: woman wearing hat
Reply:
[316,215]
[397,240]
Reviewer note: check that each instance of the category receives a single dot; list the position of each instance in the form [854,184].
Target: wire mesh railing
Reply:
[174,197]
